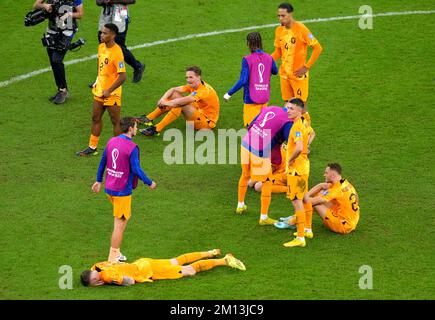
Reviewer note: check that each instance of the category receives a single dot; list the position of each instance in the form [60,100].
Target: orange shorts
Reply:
[250,111]
[294,88]
[259,169]
[164,269]
[297,186]
[336,224]
[200,121]
[121,206]
[110,101]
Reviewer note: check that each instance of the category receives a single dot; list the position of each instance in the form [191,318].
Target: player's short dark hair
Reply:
[254,42]
[297,102]
[112,27]
[85,277]
[195,69]
[335,166]
[287,6]
[126,123]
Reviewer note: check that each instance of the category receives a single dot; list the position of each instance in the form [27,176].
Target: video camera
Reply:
[59,42]
[37,16]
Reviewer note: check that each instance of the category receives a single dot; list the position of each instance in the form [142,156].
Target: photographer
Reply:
[116,12]
[62,26]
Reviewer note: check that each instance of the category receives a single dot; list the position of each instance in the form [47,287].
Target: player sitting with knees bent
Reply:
[201,106]
[260,149]
[336,201]
[148,270]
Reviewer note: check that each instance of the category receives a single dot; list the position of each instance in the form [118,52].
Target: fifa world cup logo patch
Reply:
[261,69]
[269,116]
[115,155]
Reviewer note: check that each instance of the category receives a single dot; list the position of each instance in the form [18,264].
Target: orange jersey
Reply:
[110,63]
[298,132]
[281,167]
[345,199]
[113,273]
[291,45]
[206,100]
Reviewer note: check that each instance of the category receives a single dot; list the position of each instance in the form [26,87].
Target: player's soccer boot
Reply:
[242,210]
[307,234]
[284,225]
[137,74]
[145,121]
[267,222]
[233,262]
[150,131]
[122,258]
[87,152]
[295,243]
[215,252]
[289,220]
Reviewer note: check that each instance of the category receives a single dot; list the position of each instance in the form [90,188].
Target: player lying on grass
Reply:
[201,105]
[148,270]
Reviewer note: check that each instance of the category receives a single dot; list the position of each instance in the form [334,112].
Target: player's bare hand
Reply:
[106,93]
[300,72]
[153,185]
[96,187]
[47,7]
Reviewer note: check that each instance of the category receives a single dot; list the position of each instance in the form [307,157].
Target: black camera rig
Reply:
[37,16]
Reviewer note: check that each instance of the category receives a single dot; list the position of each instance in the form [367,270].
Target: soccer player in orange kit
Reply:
[148,270]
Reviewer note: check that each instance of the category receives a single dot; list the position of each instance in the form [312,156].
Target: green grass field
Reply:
[371,99]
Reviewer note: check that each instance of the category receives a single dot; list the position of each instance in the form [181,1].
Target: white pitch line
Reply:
[209,34]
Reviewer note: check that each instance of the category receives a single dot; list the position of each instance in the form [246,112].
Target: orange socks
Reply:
[172,115]
[308,215]
[204,265]
[189,257]
[266,193]
[243,187]
[93,141]
[156,113]
[300,223]
[279,189]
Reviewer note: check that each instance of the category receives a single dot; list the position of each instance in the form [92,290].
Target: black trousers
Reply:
[56,61]
[128,56]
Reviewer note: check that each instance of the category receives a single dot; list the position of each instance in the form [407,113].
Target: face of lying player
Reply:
[107,35]
[293,110]
[95,279]
[285,17]
[193,79]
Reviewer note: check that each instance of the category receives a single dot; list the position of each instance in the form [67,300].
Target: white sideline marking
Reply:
[208,34]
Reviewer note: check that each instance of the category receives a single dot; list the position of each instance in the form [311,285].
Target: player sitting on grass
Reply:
[148,270]
[201,106]
[336,201]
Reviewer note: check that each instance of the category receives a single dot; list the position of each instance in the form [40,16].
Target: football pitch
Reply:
[371,101]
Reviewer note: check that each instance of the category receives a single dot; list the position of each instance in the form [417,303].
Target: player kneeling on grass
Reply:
[148,270]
